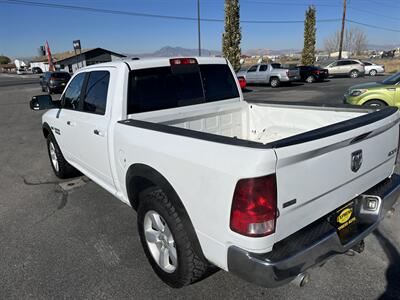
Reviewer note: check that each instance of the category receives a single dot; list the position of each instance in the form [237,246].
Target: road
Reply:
[79,241]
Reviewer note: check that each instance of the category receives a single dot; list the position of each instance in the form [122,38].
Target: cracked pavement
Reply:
[84,244]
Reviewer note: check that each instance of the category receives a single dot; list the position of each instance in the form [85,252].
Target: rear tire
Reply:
[48,90]
[164,236]
[275,82]
[375,103]
[60,166]
[354,74]
[310,79]
[373,72]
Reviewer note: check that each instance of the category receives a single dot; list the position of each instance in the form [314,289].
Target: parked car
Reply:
[373,69]
[386,92]
[272,74]
[37,70]
[351,67]
[242,82]
[220,182]
[311,74]
[54,82]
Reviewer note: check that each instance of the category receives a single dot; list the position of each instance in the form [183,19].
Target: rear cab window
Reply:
[161,88]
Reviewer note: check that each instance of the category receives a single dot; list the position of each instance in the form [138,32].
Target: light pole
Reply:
[198,25]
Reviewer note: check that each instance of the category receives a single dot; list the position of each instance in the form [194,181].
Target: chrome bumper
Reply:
[312,245]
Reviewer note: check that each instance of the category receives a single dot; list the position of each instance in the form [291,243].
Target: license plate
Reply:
[344,216]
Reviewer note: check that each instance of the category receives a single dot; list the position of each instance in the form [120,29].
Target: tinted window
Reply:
[263,68]
[72,94]
[218,83]
[252,69]
[353,62]
[96,92]
[341,63]
[276,66]
[367,63]
[61,75]
[160,88]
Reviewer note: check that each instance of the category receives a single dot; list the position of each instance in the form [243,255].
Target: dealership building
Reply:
[69,62]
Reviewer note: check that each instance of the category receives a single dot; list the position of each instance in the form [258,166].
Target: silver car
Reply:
[351,67]
[373,69]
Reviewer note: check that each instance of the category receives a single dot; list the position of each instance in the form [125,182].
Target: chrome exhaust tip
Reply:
[302,279]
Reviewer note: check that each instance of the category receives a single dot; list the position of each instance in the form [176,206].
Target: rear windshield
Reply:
[395,78]
[161,88]
[276,66]
[61,75]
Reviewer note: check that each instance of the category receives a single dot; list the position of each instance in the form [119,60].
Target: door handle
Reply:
[71,123]
[98,132]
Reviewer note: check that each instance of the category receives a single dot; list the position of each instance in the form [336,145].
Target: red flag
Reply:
[49,58]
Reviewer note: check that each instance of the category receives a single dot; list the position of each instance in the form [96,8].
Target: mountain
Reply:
[169,51]
[382,47]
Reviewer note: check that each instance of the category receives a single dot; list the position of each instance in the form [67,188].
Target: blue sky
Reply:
[24,28]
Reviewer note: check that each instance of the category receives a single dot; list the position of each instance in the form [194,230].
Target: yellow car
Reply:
[386,92]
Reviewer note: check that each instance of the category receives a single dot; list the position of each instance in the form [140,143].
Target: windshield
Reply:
[395,78]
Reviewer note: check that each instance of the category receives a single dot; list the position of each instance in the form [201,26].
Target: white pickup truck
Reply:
[262,190]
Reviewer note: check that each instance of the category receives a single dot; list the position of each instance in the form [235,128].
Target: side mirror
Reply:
[43,102]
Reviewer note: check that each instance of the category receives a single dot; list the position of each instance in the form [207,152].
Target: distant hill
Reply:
[169,51]
[382,47]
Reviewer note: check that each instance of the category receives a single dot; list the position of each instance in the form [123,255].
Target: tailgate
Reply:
[323,169]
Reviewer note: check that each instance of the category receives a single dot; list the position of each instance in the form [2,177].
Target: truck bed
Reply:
[259,122]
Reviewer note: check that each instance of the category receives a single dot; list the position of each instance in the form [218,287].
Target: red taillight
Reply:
[52,78]
[183,61]
[316,71]
[242,82]
[254,208]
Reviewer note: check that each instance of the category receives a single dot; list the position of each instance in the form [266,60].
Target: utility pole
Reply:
[342,31]
[198,25]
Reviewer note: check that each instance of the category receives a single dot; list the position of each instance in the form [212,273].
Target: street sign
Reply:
[77,44]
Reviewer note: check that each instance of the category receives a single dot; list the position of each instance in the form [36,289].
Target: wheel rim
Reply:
[53,156]
[160,241]
[274,83]
[354,74]
[372,73]
[310,79]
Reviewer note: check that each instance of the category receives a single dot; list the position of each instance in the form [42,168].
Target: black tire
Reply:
[375,103]
[274,82]
[43,90]
[354,74]
[310,79]
[373,72]
[65,170]
[48,90]
[191,265]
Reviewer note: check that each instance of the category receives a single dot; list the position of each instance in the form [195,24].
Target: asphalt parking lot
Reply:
[81,242]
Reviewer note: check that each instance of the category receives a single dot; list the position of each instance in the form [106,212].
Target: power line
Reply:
[136,14]
[371,12]
[182,18]
[372,26]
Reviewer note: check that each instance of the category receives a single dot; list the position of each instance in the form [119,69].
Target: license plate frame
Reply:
[344,216]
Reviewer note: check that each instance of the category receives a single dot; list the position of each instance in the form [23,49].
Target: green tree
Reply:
[232,35]
[4,60]
[308,53]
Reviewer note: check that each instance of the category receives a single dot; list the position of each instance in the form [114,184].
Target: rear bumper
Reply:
[312,245]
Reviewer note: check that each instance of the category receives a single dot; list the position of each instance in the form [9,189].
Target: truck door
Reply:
[86,127]
[251,75]
[263,74]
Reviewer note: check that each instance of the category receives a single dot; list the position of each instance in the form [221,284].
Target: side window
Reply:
[334,64]
[252,69]
[341,63]
[95,100]
[263,68]
[367,63]
[72,94]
